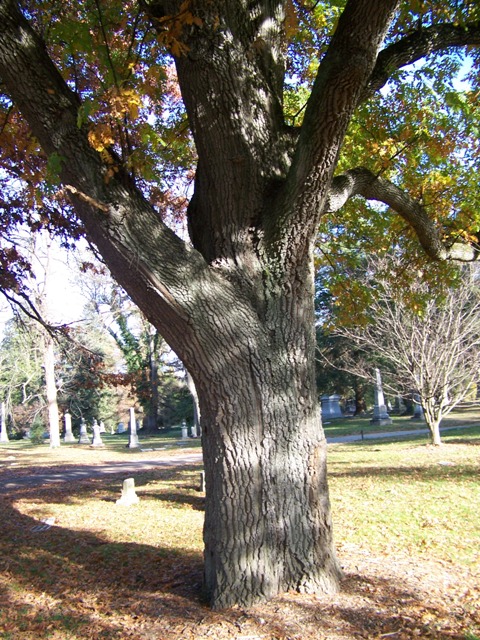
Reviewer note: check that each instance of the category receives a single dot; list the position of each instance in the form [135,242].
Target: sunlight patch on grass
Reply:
[398,497]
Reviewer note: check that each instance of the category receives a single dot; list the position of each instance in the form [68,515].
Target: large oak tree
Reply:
[235,300]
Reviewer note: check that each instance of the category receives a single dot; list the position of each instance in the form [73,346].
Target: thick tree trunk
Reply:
[267,518]
[267,513]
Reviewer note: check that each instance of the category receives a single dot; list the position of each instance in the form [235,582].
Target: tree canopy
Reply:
[278,119]
[410,143]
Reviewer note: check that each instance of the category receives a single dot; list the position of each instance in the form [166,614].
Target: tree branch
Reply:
[144,255]
[342,75]
[362,182]
[416,45]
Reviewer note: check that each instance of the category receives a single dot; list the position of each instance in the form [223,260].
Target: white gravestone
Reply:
[128,496]
[380,413]
[97,439]
[184,430]
[68,437]
[83,438]
[133,442]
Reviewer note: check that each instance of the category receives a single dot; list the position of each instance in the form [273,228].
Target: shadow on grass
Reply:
[196,502]
[81,583]
[427,473]
[77,580]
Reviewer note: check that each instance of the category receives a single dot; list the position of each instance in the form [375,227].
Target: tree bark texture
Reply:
[267,522]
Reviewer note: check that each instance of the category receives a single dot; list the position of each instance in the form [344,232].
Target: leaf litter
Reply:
[99,571]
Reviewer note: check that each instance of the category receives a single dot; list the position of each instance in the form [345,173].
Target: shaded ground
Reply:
[78,580]
[91,589]
[75,473]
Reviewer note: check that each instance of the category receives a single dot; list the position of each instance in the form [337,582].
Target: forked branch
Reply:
[362,182]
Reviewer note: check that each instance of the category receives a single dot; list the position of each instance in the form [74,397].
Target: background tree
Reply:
[235,301]
[21,376]
[152,369]
[91,384]
[335,353]
[84,376]
[427,341]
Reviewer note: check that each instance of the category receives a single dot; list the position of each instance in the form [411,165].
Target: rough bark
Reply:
[267,523]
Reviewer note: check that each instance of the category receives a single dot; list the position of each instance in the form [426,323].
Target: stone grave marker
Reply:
[380,413]
[68,437]
[417,409]
[83,438]
[133,442]
[331,406]
[97,439]
[128,496]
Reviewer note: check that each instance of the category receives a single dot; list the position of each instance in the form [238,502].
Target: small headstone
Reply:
[184,430]
[46,523]
[128,496]
[102,427]
[331,406]
[121,428]
[194,431]
[3,425]
[68,437]
[83,437]
[97,439]
[133,442]
[417,409]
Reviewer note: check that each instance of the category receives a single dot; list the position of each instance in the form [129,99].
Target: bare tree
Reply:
[431,346]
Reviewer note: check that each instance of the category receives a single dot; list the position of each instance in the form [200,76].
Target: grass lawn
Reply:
[465,415]
[406,521]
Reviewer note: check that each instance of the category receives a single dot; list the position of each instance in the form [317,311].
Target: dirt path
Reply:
[11,478]
[11,481]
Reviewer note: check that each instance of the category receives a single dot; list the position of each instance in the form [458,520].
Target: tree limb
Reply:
[416,45]
[342,75]
[362,182]
[156,267]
